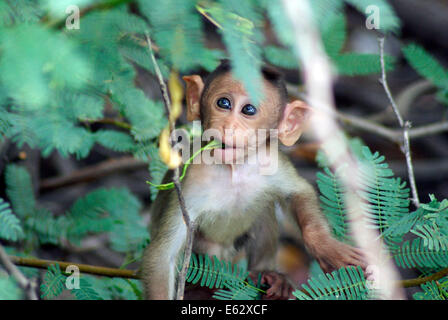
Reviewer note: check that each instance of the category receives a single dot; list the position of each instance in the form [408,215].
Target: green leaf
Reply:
[179,39]
[281,57]
[343,284]
[53,284]
[20,190]
[115,140]
[333,31]
[239,27]
[426,65]
[414,254]
[30,75]
[85,291]
[353,64]
[10,228]
[432,291]
[146,116]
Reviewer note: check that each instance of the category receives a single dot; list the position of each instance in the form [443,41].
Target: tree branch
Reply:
[133,274]
[369,125]
[405,146]
[93,172]
[186,217]
[117,123]
[84,268]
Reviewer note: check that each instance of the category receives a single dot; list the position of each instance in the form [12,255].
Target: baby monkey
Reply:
[231,203]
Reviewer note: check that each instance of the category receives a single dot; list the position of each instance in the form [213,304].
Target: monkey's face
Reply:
[228,115]
[234,120]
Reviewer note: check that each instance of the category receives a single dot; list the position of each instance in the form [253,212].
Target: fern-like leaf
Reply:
[115,140]
[53,284]
[237,291]
[432,291]
[344,284]
[10,228]
[387,198]
[426,65]
[332,202]
[85,291]
[20,190]
[212,272]
[414,254]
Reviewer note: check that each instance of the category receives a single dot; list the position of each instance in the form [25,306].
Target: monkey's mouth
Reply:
[224,146]
[228,153]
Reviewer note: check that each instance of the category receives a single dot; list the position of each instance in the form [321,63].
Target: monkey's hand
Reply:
[333,254]
[278,285]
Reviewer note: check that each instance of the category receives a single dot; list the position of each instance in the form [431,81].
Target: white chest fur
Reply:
[224,200]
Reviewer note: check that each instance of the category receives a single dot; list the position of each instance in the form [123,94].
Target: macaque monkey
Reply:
[232,204]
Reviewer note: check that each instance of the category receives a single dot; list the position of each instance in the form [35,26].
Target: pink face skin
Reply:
[233,125]
[237,129]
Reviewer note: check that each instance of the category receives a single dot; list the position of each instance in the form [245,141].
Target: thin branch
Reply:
[117,123]
[427,130]
[386,86]
[133,274]
[404,125]
[93,172]
[28,286]
[186,217]
[84,268]
[163,88]
[369,125]
[407,283]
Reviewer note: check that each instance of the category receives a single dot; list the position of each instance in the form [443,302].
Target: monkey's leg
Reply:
[261,250]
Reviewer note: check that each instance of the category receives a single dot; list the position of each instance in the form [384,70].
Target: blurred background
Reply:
[59,180]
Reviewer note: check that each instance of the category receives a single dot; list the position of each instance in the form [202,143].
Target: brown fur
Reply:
[234,206]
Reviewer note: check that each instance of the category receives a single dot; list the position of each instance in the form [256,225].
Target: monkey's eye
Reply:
[224,103]
[249,110]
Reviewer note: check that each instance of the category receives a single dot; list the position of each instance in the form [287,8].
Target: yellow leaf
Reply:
[171,158]
[177,93]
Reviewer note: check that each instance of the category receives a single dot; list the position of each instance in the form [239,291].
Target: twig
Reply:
[93,172]
[28,286]
[85,268]
[428,129]
[418,281]
[163,88]
[405,99]
[133,274]
[117,123]
[186,217]
[369,125]
[405,147]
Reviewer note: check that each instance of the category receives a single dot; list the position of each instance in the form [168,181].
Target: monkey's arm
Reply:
[328,251]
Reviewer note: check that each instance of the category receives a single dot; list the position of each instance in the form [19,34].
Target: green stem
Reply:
[211,145]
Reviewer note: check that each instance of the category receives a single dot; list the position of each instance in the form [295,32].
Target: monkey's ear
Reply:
[293,122]
[195,85]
